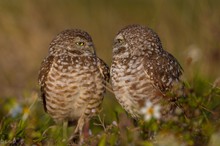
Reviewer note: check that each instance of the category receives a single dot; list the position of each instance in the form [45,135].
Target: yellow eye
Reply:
[80,43]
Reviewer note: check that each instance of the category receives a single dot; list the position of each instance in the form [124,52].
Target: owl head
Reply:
[72,41]
[136,40]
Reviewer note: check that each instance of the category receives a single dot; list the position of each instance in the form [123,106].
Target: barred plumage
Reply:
[141,70]
[72,78]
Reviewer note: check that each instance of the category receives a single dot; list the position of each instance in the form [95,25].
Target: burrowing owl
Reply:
[141,69]
[72,78]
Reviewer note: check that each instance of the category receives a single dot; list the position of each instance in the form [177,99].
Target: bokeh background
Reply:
[190,30]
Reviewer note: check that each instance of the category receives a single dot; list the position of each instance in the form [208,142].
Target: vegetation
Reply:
[188,29]
[25,122]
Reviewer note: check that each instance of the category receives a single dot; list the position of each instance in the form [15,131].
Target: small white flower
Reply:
[150,110]
[114,123]
[194,53]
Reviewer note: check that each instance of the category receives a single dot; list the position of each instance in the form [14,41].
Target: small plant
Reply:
[26,123]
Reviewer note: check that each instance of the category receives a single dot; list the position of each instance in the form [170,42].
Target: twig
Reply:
[102,124]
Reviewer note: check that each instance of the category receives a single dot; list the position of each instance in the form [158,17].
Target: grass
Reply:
[26,123]
[188,29]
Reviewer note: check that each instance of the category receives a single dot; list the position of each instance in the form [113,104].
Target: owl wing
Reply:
[104,69]
[44,70]
[163,70]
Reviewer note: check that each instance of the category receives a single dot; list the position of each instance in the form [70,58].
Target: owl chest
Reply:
[125,75]
[63,73]
[67,86]
[68,76]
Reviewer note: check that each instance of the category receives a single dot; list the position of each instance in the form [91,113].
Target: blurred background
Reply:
[190,30]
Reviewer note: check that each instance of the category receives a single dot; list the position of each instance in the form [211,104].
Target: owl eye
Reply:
[119,40]
[80,43]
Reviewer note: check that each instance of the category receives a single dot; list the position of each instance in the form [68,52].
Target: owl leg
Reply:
[77,136]
[85,131]
[65,125]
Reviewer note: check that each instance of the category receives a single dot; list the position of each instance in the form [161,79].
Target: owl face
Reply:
[120,46]
[72,41]
[135,40]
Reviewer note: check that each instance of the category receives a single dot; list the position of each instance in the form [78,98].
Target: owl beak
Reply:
[92,48]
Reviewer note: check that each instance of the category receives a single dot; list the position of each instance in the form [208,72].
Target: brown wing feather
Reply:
[45,68]
[104,69]
[163,70]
